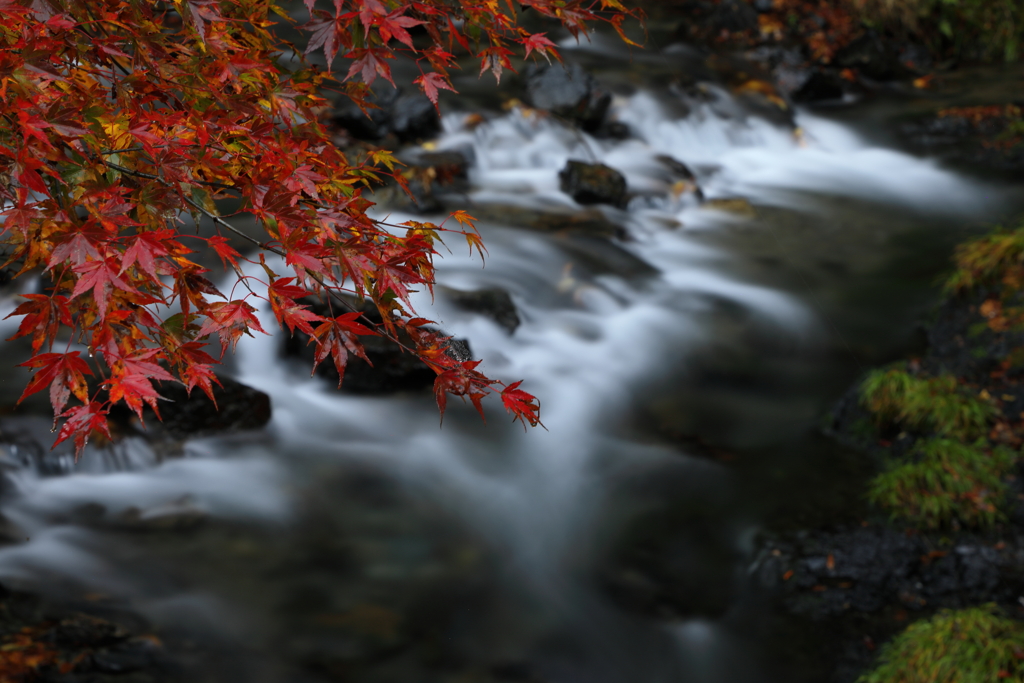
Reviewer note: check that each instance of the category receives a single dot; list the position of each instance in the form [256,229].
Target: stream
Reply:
[682,370]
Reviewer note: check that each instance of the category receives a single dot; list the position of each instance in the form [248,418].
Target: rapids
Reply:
[486,552]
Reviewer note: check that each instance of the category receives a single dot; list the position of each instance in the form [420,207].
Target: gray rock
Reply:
[493,303]
[593,183]
[567,91]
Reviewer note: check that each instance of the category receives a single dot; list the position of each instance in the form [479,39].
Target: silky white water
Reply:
[590,342]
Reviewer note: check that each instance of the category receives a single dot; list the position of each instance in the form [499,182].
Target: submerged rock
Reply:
[391,368]
[433,178]
[593,183]
[567,91]
[237,407]
[986,137]
[493,303]
[821,85]
[873,57]
[591,222]
[407,116]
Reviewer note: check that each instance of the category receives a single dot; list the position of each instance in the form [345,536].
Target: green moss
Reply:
[965,646]
[945,481]
[928,404]
[973,30]
[986,260]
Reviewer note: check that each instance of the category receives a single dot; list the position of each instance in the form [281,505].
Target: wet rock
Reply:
[237,407]
[433,179]
[181,515]
[568,91]
[613,130]
[867,569]
[601,257]
[736,206]
[733,16]
[982,137]
[129,656]
[821,85]
[494,303]
[873,57]
[407,116]
[391,368]
[80,631]
[413,117]
[591,222]
[593,183]
[676,167]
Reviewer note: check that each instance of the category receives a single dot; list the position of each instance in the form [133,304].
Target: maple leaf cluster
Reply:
[124,118]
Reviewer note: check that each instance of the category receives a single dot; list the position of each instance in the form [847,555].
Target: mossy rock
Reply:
[964,646]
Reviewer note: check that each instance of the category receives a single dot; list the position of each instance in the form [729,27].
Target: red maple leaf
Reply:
[101,277]
[368,65]
[431,82]
[288,312]
[496,59]
[540,43]
[224,250]
[327,31]
[336,337]
[64,373]
[146,247]
[81,422]
[394,25]
[229,319]
[523,406]
[463,379]
[133,389]
[43,318]
[198,368]
[304,178]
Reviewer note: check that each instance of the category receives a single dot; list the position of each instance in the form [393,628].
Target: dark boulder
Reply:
[556,220]
[493,303]
[821,86]
[867,569]
[677,168]
[237,407]
[872,57]
[593,183]
[391,368]
[432,178]
[407,116]
[568,91]
[414,117]
[732,16]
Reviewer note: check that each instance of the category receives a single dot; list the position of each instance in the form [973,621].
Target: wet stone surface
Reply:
[493,303]
[390,369]
[592,183]
[567,91]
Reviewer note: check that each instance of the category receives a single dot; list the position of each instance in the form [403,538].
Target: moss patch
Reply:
[945,483]
[972,30]
[926,404]
[994,259]
[965,646]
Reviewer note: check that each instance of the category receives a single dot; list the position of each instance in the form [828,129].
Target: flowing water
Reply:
[681,372]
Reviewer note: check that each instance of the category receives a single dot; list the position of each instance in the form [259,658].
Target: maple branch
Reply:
[266,247]
[209,214]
